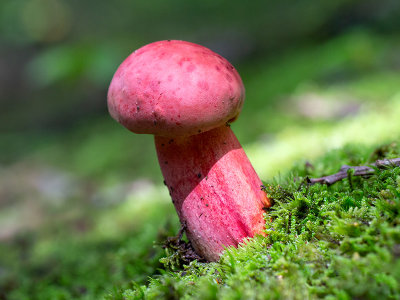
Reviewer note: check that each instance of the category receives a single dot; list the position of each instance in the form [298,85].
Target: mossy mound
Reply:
[336,242]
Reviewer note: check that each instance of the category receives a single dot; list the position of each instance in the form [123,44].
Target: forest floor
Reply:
[84,213]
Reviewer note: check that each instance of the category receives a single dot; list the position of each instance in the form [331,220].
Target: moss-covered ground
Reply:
[85,213]
[337,242]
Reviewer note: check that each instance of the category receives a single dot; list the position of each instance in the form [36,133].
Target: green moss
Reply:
[337,242]
[88,257]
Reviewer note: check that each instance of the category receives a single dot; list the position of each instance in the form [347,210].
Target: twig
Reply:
[358,171]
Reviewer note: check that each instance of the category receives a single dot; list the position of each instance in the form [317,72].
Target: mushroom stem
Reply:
[214,188]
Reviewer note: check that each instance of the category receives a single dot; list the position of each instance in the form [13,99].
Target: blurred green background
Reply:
[81,198]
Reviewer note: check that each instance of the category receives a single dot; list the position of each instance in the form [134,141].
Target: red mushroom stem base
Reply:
[214,188]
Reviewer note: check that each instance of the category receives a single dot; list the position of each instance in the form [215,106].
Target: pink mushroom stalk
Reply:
[186,96]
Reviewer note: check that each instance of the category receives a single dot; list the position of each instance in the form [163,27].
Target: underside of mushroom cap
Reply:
[175,88]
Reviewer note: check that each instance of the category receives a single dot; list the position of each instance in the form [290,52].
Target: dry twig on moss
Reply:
[357,171]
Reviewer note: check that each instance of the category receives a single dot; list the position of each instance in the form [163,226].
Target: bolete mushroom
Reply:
[186,96]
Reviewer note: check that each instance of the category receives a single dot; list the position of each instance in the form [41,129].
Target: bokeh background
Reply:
[82,206]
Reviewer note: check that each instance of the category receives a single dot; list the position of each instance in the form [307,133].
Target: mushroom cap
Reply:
[175,88]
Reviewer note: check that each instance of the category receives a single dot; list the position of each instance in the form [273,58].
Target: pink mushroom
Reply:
[186,96]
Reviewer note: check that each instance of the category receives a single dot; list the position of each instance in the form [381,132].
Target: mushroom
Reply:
[186,96]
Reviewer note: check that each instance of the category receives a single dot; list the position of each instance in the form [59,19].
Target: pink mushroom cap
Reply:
[175,88]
